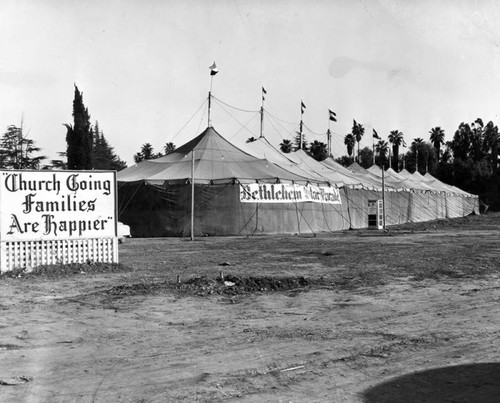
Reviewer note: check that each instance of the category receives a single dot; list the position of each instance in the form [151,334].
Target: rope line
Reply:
[281,120]
[244,126]
[288,135]
[189,120]
[237,121]
[231,106]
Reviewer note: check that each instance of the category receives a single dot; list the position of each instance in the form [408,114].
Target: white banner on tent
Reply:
[285,193]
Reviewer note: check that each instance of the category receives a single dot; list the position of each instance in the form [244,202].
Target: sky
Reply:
[143,68]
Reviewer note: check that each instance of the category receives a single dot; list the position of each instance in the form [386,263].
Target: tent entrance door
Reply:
[375,214]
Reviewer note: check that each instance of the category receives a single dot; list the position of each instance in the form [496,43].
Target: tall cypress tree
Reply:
[103,155]
[79,138]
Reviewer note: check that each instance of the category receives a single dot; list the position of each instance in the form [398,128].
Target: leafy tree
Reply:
[477,142]
[366,157]
[396,139]
[344,160]
[422,155]
[318,150]
[297,141]
[472,161]
[461,143]
[286,146]
[477,139]
[491,145]
[79,136]
[16,150]
[58,164]
[103,155]
[437,139]
[349,141]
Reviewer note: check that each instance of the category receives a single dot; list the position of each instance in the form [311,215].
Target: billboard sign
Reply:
[51,205]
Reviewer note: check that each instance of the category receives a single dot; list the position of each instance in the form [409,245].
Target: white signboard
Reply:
[284,193]
[43,205]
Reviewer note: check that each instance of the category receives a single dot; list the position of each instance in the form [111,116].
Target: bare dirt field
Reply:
[410,315]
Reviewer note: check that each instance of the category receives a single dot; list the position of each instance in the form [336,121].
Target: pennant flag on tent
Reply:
[213,69]
[375,134]
[302,107]
[264,92]
[333,115]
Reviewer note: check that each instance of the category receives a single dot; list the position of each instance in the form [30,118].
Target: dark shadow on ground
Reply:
[461,383]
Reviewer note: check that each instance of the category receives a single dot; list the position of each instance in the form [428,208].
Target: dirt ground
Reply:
[409,315]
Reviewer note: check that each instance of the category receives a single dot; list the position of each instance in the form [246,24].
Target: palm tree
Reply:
[396,139]
[286,146]
[358,131]
[415,145]
[437,138]
[169,148]
[146,153]
[416,142]
[349,141]
[382,147]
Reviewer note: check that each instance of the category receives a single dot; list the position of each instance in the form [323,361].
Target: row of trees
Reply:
[316,149]
[147,152]
[87,147]
[468,161]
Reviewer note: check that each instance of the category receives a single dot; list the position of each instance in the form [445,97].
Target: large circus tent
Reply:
[211,187]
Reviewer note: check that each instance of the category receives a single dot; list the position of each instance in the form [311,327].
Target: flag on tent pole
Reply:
[213,69]
[302,107]
[333,115]
[264,92]
[375,135]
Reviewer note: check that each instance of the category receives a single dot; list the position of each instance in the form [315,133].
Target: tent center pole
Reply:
[383,197]
[209,106]
[192,195]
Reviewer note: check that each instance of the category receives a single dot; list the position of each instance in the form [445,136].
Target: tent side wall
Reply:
[156,211]
[153,211]
[470,205]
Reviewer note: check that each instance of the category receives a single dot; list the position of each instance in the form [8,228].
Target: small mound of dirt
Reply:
[64,270]
[234,285]
[251,284]
[230,285]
